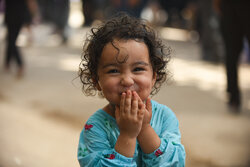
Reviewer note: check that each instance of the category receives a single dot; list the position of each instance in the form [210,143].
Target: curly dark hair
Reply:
[123,27]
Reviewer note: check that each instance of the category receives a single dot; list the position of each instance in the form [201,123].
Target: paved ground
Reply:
[41,115]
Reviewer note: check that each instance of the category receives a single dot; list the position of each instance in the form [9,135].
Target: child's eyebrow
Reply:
[116,64]
[141,63]
[110,64]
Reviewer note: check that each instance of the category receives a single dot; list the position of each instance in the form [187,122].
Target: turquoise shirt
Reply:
[98,139]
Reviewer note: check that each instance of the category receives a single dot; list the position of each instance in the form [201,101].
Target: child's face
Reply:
[134,73]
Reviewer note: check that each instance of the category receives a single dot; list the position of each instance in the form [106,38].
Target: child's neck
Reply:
[110,109]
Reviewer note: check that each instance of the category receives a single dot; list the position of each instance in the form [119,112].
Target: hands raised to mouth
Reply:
[132,114]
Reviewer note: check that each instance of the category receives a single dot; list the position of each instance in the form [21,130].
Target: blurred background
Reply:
[42,107]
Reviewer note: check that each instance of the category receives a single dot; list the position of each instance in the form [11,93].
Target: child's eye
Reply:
[113,71]
[139,69]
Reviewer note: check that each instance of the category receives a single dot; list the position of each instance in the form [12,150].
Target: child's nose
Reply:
[127,80]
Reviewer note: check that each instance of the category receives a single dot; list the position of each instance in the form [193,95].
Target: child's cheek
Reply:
[145,89]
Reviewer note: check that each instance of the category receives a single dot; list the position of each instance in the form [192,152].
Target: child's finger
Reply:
[122,102]
[127,106]
[138,97]
[149,105]
[140,114]
[134,107]
[141,105]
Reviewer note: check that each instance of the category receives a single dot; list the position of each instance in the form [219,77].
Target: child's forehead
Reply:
[124,52]
[121,46]
[121,49]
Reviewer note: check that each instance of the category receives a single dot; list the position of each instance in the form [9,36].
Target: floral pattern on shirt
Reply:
[110,156]
[88,126]
[83,151]
[158,153]
[108,124]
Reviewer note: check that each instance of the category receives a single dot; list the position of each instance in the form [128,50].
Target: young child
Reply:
[125,62]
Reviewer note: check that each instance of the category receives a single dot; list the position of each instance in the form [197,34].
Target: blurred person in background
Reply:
[61,15]
[88,9]
[132,7]
[17,14]
[207,24]
[33,7]
[95,10]
[235,25]
[57,13]
[46,9]
[1,6]
[174,10]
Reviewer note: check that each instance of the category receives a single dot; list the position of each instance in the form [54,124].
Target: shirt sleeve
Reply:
[171,152]
[94,149]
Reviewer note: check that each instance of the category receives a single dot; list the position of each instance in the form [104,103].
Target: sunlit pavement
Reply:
[41,114]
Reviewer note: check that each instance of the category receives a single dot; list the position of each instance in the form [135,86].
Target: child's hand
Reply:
[129,115]
[148,138]
[147,112]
